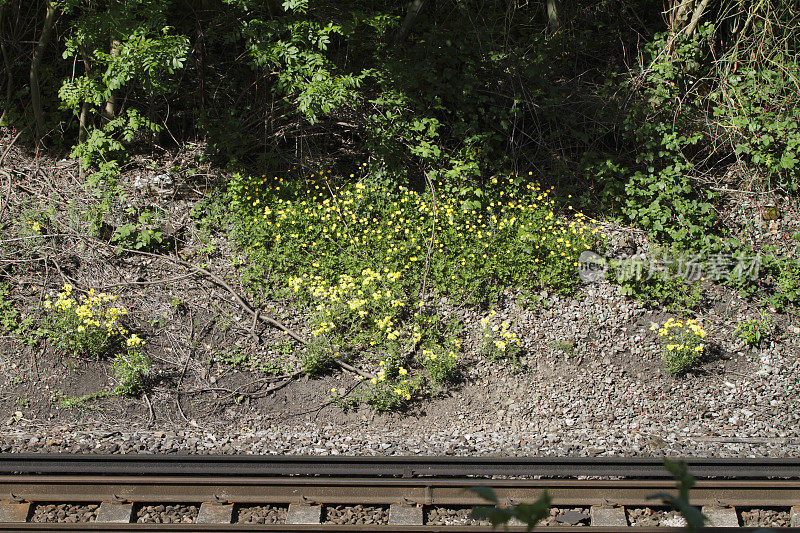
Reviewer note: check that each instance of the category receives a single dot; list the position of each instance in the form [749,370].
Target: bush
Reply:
[370,263]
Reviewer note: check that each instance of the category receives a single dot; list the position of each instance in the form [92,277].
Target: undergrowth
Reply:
[371,265]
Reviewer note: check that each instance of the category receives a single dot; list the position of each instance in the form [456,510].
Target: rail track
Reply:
[278,493]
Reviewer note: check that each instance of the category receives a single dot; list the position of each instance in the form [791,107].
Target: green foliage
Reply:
[441,361]
[85,324]
[566,347]
[90,325]
[130,369]
[695,520]
[786,274]
[754,331]
[122,47]
[659,194]
[529,514]
[143,235]
[238,358]
[10,323]
[663,289]
[364,260]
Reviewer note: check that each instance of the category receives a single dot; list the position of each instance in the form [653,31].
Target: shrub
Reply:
[682,344]
[369,262]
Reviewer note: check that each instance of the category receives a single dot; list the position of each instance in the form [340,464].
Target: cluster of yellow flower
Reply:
[92,314]
[682,343]
[367,297]
[92,310]
[356,252]
[497,339]
[691,326]
[343,215]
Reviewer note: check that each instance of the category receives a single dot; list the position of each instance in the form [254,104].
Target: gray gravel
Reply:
[65,512]
[167,514]
[778,517]
[356,514]
[608,396]
[452,516]
[650,517]
[567,516]
[262,514]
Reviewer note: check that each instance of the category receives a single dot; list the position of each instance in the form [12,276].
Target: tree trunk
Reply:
[110,109]
[408,22]
[696,16]
[7,64]
[84,116]
[553,12]
[36,63]
[678,14]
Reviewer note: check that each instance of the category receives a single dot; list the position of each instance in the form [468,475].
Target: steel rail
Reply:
[404,466]
[335,491]
[226,528]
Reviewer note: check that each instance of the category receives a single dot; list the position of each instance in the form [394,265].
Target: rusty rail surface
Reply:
[405,466]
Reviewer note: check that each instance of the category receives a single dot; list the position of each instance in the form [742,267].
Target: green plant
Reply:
[786,274]
[529,514]
[567,347]
[695,520]
[130,368]
[681,344]
[238,358]
[90,325]
[663,288]
[753,331]
[9,314]
[84,325]
[441,362]
[497,340]
[143,235]
[317,239]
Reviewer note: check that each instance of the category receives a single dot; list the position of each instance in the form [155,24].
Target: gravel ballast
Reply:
[356,514]
[65,513]
[262,514]
[609,396]
[167,514]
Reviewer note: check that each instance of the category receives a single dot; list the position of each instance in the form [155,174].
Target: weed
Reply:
[84,325]
[663,289]
[90,325]
[567,347]
[681,343]
[361,258]
[753,331]
[144,234]
[786,272]
[497,340]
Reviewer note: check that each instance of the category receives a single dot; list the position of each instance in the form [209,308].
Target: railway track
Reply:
[255,493]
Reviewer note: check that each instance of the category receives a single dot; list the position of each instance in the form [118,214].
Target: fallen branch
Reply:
[257,315]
